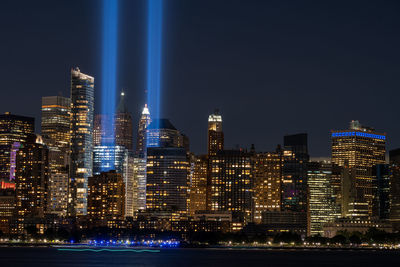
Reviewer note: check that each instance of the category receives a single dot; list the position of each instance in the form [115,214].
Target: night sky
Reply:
[271,67]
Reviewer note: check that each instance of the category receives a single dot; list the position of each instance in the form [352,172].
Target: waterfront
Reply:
[46,256]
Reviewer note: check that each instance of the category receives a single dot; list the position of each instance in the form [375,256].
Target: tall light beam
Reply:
[109,77]
[154,44]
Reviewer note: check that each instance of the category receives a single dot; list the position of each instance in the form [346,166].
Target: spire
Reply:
[145,110]
[122,105]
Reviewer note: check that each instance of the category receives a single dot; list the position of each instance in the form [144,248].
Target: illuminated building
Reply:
[294,173]
[215,133]
[352,225]
[161,133]
[97,131]
[13,128]
[106,199]
[141,144]
[167,179]
[359,149]
[394,161]
[123,125]
[137,173]
[103,155]
[56,132]
[82,108]
[232,183]
[7,206]
[31,180]
[267,183]
[321,203]
[284,221]
[198,186]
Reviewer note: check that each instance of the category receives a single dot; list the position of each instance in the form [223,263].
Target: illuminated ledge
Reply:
[109,250]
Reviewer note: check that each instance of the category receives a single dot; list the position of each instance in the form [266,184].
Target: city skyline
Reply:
[330,76]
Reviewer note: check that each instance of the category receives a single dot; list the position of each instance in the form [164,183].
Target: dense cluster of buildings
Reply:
[72,173]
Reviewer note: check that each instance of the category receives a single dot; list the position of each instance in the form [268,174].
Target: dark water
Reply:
[197,257]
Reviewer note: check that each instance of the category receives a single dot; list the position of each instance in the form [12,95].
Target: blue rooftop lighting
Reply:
[361,134]
[154,44]
[109,74]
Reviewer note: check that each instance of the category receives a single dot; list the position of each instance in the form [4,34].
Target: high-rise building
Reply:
[82,112]
[14,129]
[106,199]
[104,156]
[381,205]
[267,183]
[31,180]
[137,166]
[321,202]
[294,173]
[167,179]
[394,161]
[123,125]
[141,144]
[162,133]
[215,133]
[359,149]
[198,186]
[56,133]
[232,183]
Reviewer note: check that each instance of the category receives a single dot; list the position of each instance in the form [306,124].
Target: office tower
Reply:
[215,133]
[56,133]
[7,206]
[359,149]
[82,111]
[232,183]
[394,162]
[14,129]
[167,179]
[137,166]
[381,204]
[97,130]
[294,173]
[198,186]
[123,125]
[321,203]
[31,180]
[106,199]
[167,169]
[104,156]
[267,183]
[141,144]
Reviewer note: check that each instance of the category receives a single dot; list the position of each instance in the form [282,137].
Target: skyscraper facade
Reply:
[82,112]
[215,133]
[294,173]
[267,183]
[123,125]
[394,161]
[198,185]
[141,144]
[360,148]
[232,183]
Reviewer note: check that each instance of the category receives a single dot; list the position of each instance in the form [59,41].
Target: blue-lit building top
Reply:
[359,134]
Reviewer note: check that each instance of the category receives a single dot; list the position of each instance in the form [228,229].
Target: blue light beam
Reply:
[154,44]
[109,74]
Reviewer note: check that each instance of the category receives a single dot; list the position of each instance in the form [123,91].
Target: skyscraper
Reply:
[123,125]
[198,186]
[394,161]
[321,203]
[82,111]
[56,129]
[232,183]
[359,148]
[141,144]
[14,129]
[215,133]
[267,183]
[294,173]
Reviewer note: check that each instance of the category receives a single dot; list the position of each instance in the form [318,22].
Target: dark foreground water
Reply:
[197,257]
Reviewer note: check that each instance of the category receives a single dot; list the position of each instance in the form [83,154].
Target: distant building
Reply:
[381,204]
[31,180]
[394,161]
[14,129]
[82,112]
[359,149]
[162,133]
[137,166]
[141,144]
[294,173]
[232,183]
[284,221]
[7,207]
[104,156]
[215,133]
[361,225]
[198,186]
[321,203]
[106,199]
[267,183]
[123,125]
